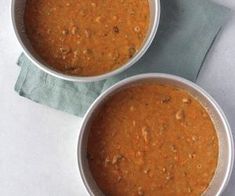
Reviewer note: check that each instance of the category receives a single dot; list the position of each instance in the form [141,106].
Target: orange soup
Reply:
[152,139]
[86,37]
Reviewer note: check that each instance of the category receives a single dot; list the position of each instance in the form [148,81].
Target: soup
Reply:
[152,139]
[86,37]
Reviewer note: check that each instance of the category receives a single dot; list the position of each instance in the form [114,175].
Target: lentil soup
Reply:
[152,139]
[86,37]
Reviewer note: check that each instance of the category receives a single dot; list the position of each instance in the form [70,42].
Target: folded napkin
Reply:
[187,30]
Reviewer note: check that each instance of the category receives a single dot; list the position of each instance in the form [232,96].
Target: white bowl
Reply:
[226,146]
[17,15]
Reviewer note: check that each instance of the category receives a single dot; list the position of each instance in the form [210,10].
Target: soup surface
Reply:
[152,139]
[86,37]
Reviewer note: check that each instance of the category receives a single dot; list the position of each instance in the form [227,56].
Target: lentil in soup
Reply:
[152,139]
[86,37]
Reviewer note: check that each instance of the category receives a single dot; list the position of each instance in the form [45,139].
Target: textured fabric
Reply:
[187,30]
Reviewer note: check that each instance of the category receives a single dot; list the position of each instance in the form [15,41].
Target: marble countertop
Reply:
[38,144]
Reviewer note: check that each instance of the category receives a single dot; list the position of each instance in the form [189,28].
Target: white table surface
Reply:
[38,144]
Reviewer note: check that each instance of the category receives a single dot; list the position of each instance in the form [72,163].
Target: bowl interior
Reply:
[225,160]
[18,7]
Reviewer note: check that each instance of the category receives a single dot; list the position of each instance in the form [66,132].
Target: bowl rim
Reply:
[131,79]
[128,64]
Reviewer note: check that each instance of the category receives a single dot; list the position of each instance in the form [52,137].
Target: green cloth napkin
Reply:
[187,30]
